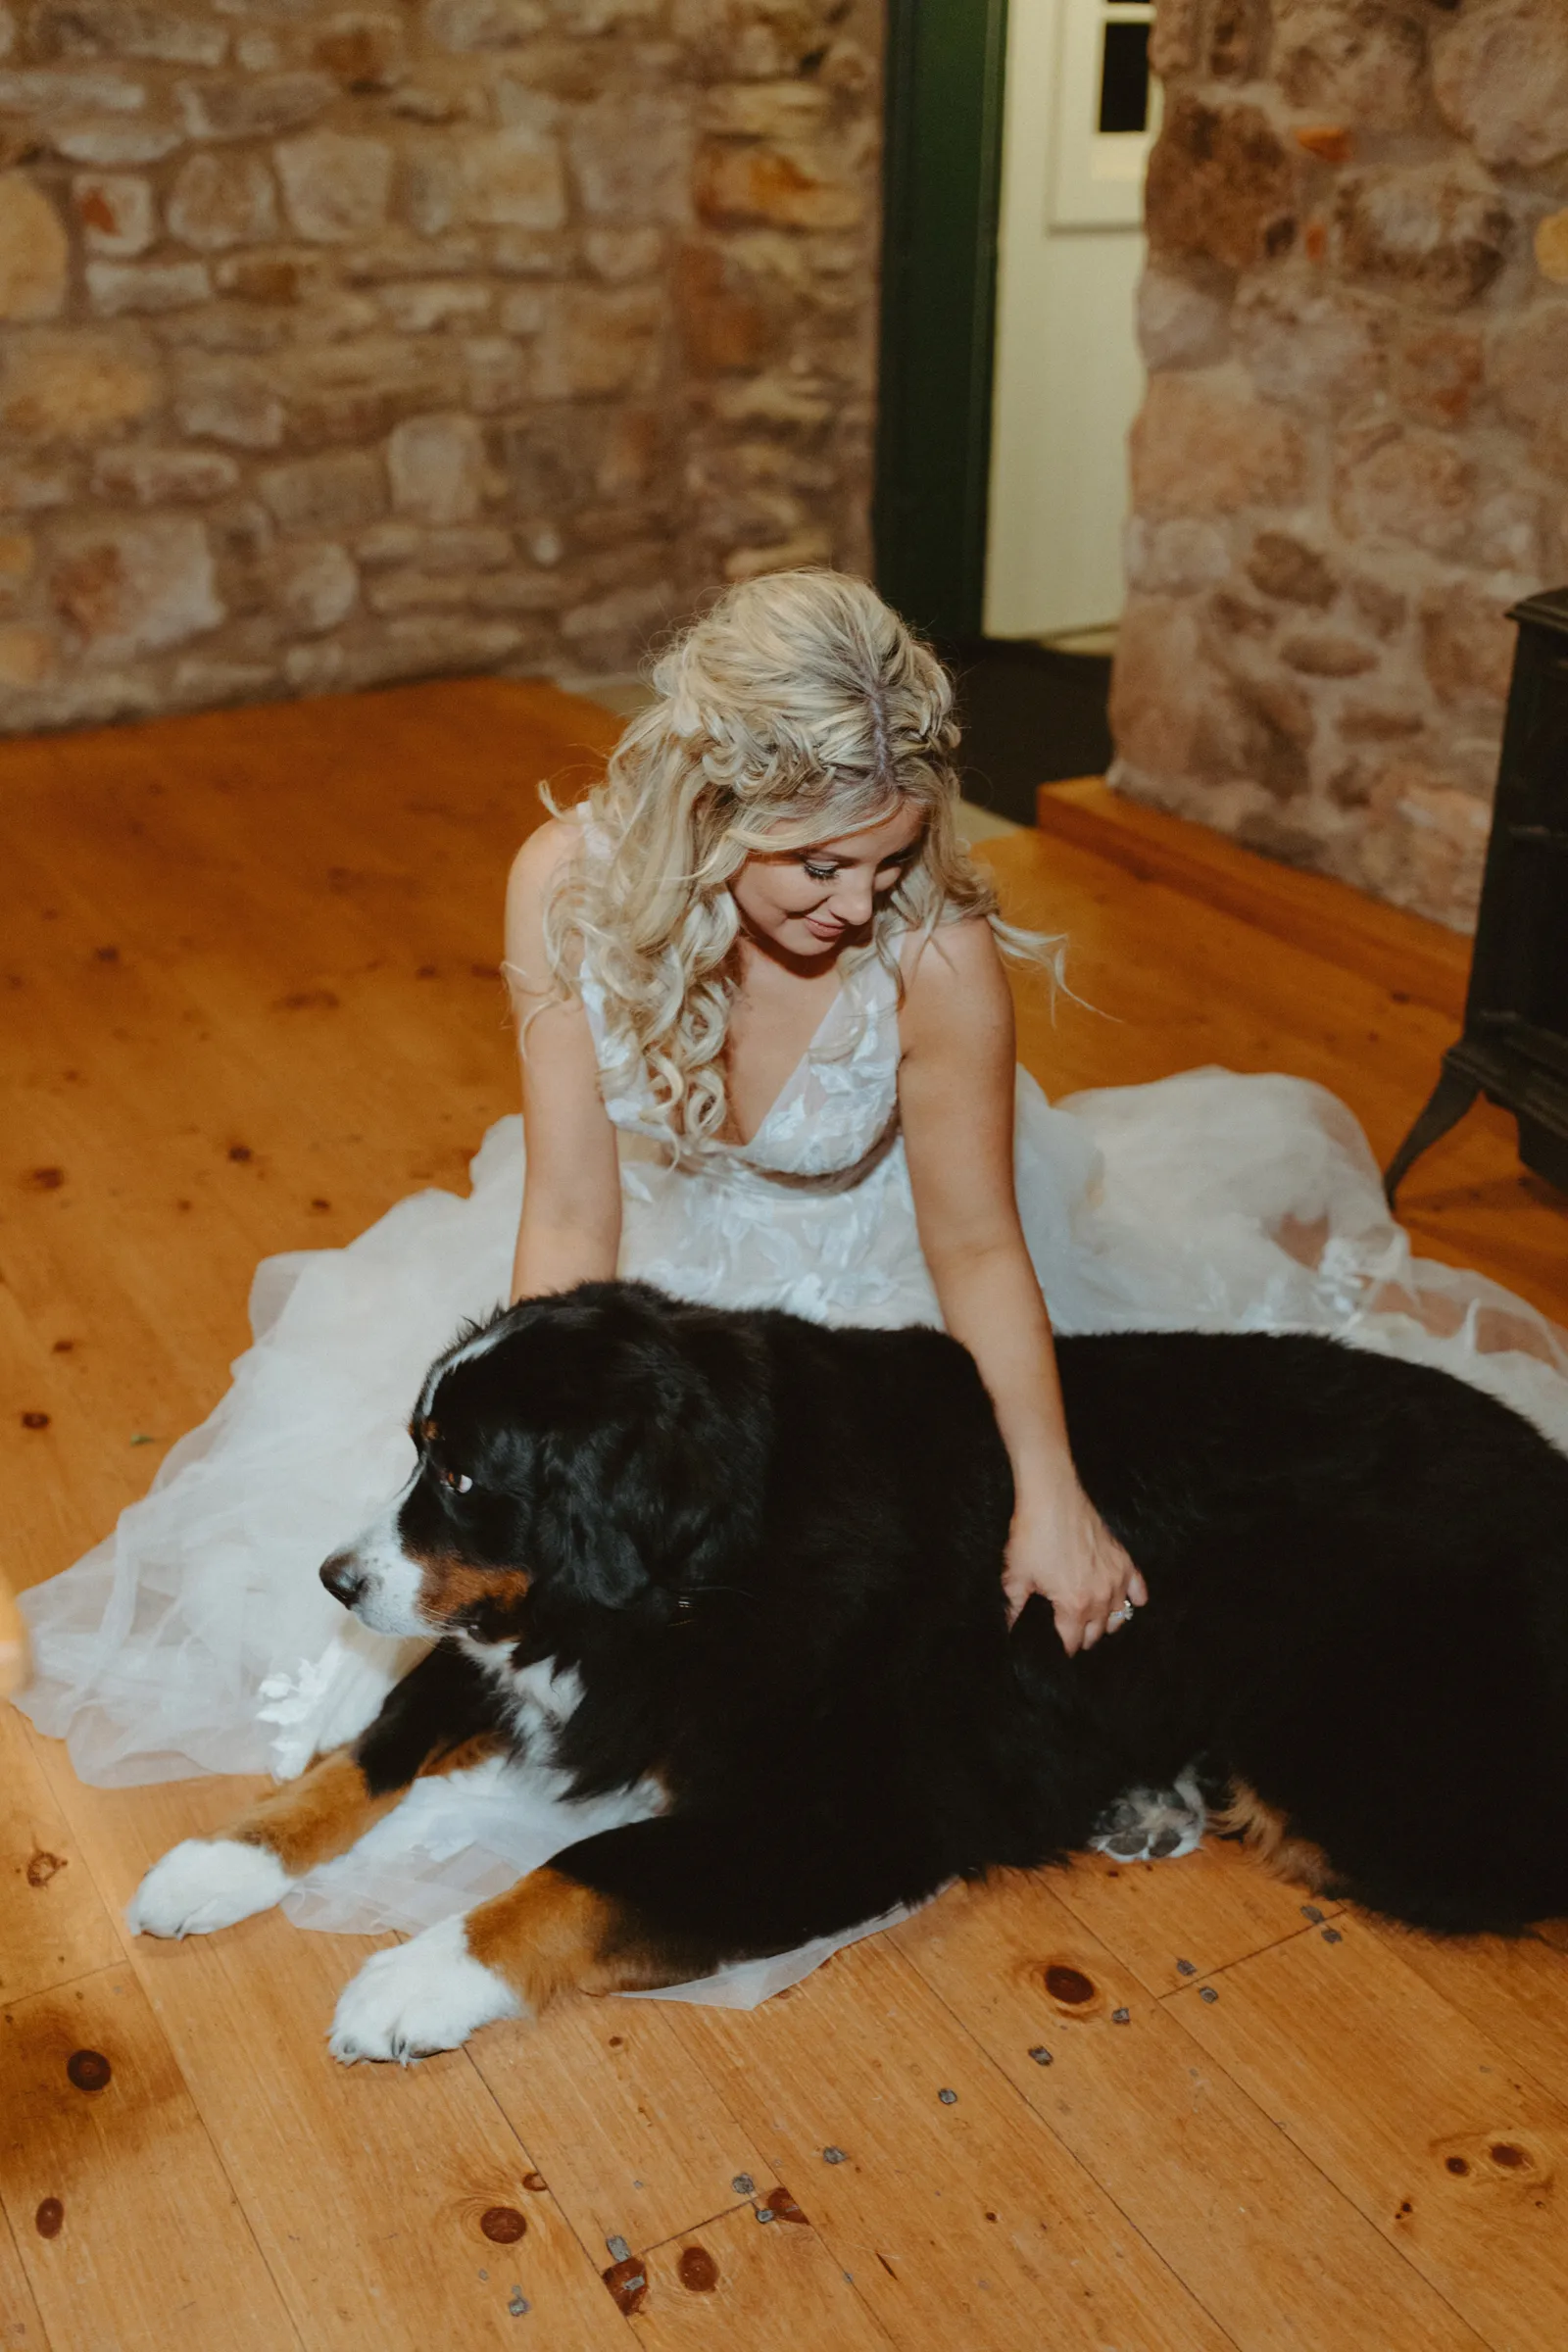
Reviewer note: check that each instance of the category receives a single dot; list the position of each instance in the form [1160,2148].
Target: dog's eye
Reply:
[458,1480]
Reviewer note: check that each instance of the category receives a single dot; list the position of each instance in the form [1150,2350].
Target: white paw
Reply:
[205,1883]
[1154,1825]
[426,1995]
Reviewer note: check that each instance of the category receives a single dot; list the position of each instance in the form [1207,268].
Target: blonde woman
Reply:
[769,1045]
[767,1054]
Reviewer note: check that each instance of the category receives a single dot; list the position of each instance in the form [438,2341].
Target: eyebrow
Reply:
[838,857]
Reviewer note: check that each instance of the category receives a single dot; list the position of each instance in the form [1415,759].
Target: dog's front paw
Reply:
[422,1997]
[1154,1825]
[205,1883]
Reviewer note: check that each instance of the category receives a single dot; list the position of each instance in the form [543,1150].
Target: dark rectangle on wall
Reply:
[1124,78]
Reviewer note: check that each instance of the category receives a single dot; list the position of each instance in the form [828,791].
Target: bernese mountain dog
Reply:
[749,1568]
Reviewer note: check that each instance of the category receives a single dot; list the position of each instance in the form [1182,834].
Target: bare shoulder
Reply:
[955,986]
[533,874]
[543,854]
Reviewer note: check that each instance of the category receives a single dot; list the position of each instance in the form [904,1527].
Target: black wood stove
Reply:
[1514,1048]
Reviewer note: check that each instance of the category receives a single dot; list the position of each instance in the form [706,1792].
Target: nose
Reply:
[344,1578]
[854,902]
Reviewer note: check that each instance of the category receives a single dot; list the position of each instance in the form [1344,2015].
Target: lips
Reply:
[823,930]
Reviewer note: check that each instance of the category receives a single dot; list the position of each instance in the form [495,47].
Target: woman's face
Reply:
[807,902]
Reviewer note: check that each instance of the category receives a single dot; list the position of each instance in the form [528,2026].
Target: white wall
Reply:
[1069,376]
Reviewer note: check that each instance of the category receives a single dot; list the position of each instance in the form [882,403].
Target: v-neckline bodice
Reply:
[795,1073]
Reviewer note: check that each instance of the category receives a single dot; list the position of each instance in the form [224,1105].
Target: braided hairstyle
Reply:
[798,710]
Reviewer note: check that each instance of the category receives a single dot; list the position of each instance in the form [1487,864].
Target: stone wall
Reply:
[1353,451]
[343,344]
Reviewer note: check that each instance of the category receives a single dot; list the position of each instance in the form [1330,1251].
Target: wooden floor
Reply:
[248,965]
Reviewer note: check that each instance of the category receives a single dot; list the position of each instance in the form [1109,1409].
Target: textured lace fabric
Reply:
[814,1212]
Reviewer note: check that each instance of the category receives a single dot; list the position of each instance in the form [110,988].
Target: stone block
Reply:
[1321,347]
[1287,570]
[44,95]
[112,141]
[1380,604]
[1551,247]
[631,156]
[1425,846]
[1221,186]
[117,209]
[1382,721]
[1360,59]
[466,25]
[29,485]
[362,50]
[202,684]
[127,588]
[1164,696]
[1176,557]
[1238,39]
[436,466]
[1201,446]
[436,642]
[600,342]
[336,186]
[1181,323]
[766,109]
[496,375]
[27,656]
[420,305]
[621,254]
[1328,654]
[34,252]
[332,493]
[1500,76]
[515,178]
[1441,228]
[1173,45]
[1467,641]
[156,477]
[223,199]
[612,632]
[75,385]
[259,107]
[797,186]
[725,322]
[116,289]
[415,591]
[316,585]
[1437,371]
[1410,486]
[73,29]
[1527,369]
[357,389]
[478,548]
[594,17]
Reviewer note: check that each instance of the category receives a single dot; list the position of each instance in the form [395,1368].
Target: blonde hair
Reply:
[798,710]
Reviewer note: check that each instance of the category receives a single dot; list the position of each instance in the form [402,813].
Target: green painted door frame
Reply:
[942,189]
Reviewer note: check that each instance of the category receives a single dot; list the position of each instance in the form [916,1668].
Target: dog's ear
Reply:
[657,1496]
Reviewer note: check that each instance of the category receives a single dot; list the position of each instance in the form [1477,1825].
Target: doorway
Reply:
[1016,144]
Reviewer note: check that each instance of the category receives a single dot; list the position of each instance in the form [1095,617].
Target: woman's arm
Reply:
[956,1092]
[570,1229]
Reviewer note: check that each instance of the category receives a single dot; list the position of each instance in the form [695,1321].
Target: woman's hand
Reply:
[1063,1550]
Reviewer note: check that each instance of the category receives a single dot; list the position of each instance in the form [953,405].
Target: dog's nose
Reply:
[343,1578]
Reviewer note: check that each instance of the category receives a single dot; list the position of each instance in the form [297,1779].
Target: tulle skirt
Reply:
[197,1637]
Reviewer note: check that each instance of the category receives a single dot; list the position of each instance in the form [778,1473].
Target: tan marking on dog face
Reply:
[316,1817]
[548,1936]
[1267,1834]
[450,1585]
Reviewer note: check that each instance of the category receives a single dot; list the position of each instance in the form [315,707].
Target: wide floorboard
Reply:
[248,965]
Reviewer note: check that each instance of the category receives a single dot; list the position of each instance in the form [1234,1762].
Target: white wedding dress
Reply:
[197,1637]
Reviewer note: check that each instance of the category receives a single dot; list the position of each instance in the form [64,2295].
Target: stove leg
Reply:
[1452,1098]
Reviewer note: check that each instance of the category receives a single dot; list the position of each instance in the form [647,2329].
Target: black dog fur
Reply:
[772,1553]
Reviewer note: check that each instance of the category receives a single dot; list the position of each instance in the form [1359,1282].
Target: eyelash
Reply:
[830,873]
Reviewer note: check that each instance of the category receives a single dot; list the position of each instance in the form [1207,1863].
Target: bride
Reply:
[766,1052]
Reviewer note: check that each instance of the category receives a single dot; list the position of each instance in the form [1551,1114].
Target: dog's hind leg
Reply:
[1154,1825]
[439,1718]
